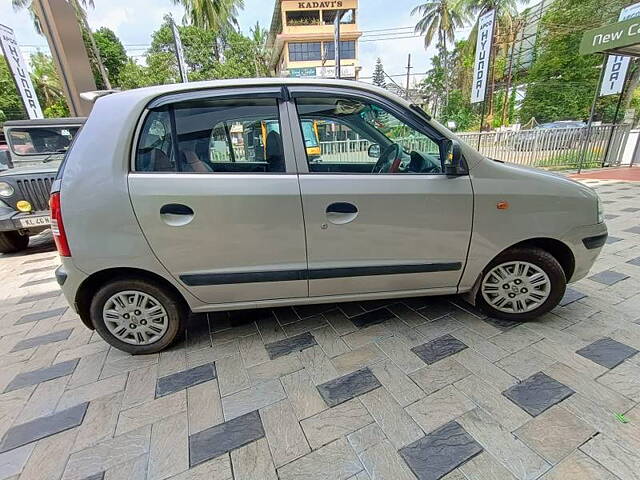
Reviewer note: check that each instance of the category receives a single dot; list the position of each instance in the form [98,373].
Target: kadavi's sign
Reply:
[19,71]
[622,38]
[317,5]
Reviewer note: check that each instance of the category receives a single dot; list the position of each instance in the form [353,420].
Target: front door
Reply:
[380,214]
[216,195]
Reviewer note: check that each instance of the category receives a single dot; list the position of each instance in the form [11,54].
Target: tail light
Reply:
[57,227]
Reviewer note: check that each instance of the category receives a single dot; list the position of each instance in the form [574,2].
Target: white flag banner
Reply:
[483,56]
[182,66]
[19,71]
[616,69]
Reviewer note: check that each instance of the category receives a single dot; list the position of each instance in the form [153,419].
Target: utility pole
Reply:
[408,76]
[336,41]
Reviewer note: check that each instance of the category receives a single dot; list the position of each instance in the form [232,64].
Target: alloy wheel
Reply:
[515,287]
[135,317]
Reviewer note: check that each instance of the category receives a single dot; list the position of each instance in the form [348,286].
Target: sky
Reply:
[133,21]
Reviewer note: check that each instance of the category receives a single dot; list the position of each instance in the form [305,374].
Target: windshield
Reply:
[28,141]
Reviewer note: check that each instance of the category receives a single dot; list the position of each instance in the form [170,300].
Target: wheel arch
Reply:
[96,280]
[558,249]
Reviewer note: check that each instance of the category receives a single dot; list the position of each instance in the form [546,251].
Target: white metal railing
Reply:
[554,148]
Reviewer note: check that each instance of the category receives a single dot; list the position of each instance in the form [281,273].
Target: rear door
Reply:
[217,197]
[380,214]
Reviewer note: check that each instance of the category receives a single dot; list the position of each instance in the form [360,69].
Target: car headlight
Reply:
[6,190]
[600,211]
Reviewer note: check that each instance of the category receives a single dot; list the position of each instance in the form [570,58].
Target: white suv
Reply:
[267,192]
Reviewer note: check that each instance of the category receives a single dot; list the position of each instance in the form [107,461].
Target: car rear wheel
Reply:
[137,316]
[11,242]
[521,284]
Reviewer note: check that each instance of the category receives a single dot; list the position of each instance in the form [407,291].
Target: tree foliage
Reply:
[378,74]
[46,83]
[112,52]
[239,58]
[561,82]
[10,105]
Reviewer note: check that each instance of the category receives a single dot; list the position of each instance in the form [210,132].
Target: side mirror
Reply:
[374,150]
[453,164]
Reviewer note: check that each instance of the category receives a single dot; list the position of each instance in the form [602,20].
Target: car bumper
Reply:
[24,221]
[586,244]
[69,278]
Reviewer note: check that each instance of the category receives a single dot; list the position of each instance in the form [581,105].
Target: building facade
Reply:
[301,38]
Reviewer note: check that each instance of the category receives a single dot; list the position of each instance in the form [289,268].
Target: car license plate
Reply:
[34,221]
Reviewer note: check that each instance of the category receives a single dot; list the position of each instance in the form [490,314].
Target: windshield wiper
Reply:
[58,152]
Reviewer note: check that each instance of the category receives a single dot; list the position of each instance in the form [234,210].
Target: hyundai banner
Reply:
[20,72]
[483,56]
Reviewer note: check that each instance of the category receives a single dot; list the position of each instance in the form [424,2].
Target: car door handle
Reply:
[176,214]
[340,213]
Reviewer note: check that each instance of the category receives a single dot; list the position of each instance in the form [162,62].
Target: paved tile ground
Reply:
[403,389]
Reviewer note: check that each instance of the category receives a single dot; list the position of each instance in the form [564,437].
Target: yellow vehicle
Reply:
[309,132]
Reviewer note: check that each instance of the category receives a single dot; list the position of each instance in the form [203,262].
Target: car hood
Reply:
[536,174]
[45,168]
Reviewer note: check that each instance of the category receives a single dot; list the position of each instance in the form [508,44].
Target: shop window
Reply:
[304,51]
[347,50]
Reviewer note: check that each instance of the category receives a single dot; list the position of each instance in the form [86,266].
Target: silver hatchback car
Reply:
[269,192]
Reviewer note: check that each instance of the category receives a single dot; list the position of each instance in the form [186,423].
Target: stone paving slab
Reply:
[239,398]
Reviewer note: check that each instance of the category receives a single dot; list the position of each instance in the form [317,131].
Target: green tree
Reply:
[259,37]
[218,16]
[378,74]
[47,84]
[459,110]
[439,17]
[238,58]
[10,104]
[112,52]
[561,82]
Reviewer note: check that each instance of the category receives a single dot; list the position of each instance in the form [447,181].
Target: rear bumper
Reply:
[35,221]
[69,278]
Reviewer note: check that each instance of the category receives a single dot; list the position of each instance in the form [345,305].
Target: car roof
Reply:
[149,93]
[45,122]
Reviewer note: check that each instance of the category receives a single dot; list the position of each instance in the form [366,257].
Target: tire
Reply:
[11,242]
[171,328]
[534,306]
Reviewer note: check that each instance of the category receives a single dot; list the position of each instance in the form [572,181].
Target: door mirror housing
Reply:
[454,161]
[374,150]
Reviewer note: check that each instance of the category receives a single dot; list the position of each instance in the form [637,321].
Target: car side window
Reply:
[155,150]
[343,135]
[231,135]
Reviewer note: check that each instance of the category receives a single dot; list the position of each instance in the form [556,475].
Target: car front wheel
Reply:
[136,316]
[521,284]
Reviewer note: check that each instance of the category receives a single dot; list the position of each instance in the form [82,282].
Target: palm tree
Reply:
[45,78]
[441,17]
[259,36]
[216,15]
